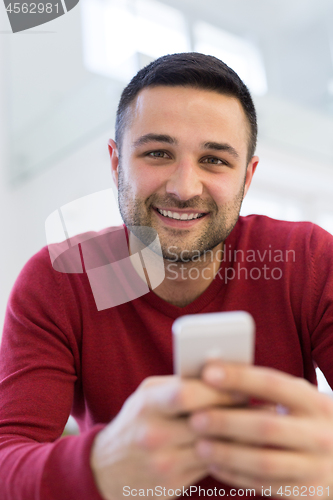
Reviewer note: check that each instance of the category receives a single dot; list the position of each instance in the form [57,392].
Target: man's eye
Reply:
[157,154]
[212,160]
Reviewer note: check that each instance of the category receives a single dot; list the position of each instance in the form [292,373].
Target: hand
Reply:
[150,442]
[291,447]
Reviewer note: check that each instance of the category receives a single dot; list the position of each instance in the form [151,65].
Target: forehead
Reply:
[187,111]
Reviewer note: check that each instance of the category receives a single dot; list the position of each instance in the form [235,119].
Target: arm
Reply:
[38,367]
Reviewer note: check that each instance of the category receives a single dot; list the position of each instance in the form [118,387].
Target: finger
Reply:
[251,485]
[157,432]
[261,427]
[263,463]
[271,385]
[176,461]
[178,396]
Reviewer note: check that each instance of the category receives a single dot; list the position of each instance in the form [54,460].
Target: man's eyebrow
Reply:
[145,139]
[218,146]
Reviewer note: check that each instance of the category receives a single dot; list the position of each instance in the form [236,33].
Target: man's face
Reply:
[183,169]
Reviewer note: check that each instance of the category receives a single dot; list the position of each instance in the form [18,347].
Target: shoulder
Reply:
[60,269]
[37,268]
[273,226]
[36,285]
[262,230]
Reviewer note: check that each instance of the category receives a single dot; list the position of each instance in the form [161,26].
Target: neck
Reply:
[179,283]
[186,281]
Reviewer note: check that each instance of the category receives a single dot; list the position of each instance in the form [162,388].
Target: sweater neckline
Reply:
[216,287]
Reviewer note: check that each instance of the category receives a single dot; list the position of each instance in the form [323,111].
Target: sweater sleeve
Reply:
[39,363]
[318,300]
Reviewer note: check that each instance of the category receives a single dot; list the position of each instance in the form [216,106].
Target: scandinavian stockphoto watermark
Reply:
[25,15]
[249,264]
[123,264]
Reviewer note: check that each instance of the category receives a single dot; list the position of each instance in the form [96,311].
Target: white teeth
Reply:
[177,216]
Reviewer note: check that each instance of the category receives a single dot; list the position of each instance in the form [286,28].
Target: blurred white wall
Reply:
[84,169]
[25,208]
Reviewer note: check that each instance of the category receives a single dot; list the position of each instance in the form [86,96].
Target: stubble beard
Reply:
[138,214]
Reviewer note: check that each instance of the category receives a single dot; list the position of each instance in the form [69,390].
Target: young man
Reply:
[183,160]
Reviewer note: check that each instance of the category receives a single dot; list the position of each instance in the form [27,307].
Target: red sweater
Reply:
[60,355]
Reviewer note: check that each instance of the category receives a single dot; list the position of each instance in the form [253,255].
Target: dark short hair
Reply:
[189,69]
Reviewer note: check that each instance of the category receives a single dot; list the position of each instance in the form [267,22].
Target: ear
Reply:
[114,156]
[251,168]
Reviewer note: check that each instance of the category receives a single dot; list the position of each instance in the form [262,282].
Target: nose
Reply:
[184,182]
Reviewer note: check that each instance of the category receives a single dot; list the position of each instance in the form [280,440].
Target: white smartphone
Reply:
[197,338]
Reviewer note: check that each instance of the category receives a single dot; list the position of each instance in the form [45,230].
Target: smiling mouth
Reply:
[180,216]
